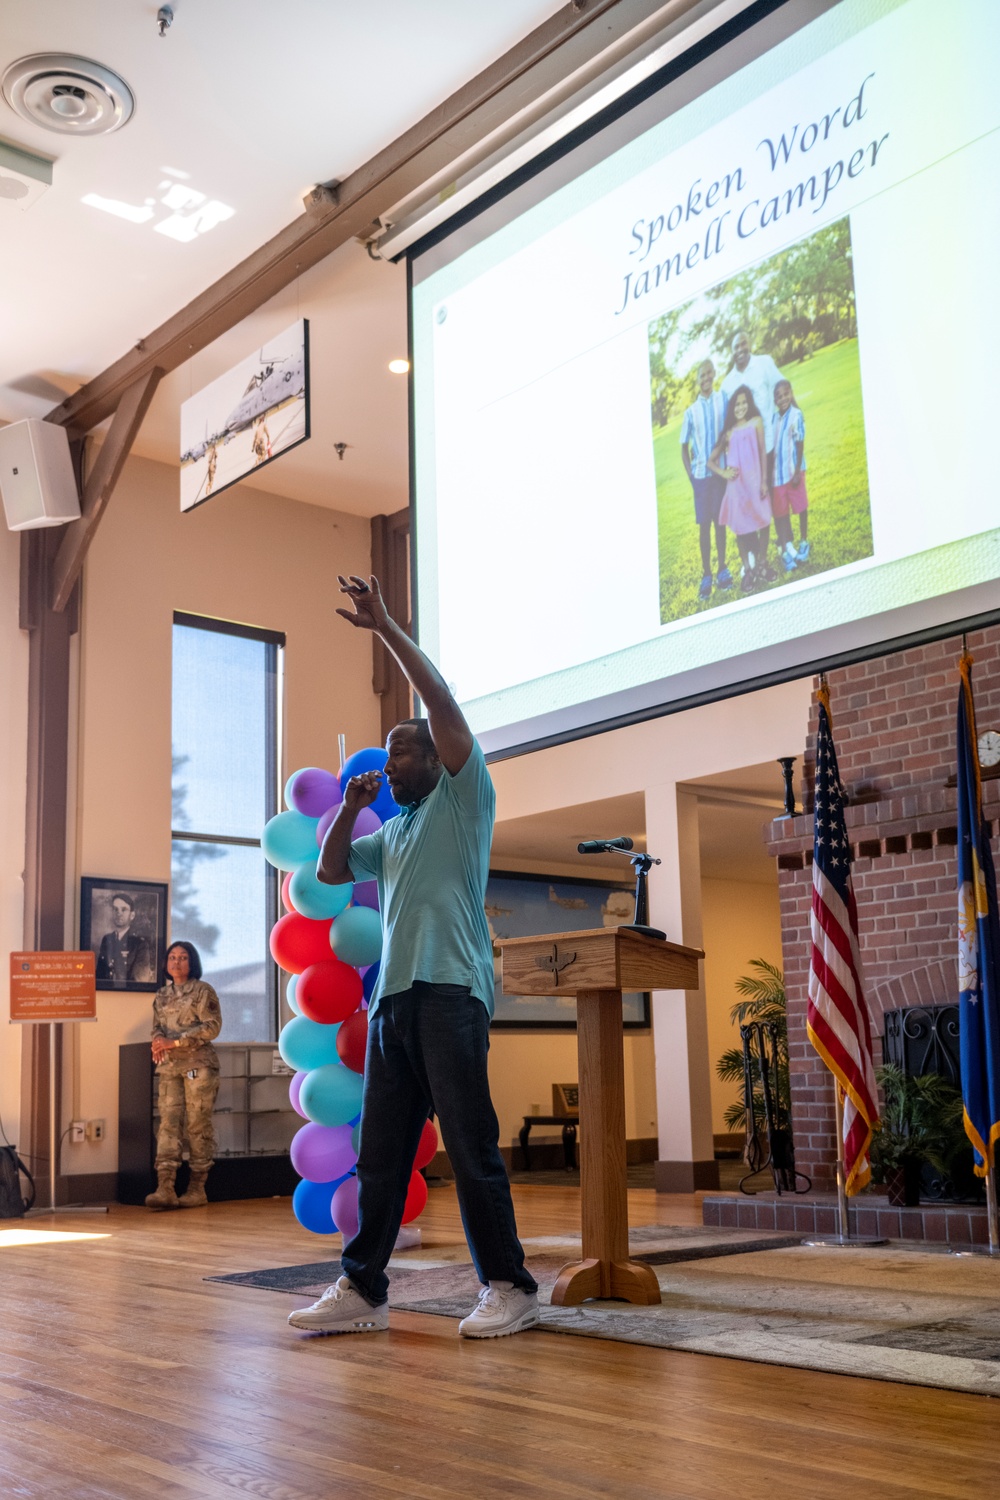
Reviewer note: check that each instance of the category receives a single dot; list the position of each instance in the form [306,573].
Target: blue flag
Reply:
[978,945]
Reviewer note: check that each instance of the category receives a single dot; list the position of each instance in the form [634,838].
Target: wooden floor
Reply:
[124,1374]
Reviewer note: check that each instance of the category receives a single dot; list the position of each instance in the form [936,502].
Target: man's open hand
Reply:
[369,611]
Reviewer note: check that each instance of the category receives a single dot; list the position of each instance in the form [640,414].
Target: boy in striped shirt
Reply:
[700,429]
[788,495]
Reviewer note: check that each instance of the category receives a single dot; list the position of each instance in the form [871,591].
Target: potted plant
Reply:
[921,1120]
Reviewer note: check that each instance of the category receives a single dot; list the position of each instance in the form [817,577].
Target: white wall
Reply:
[246,556]
[13,791]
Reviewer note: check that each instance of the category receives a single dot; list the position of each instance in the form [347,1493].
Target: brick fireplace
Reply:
[894,728]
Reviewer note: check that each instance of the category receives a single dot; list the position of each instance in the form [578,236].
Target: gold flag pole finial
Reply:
[824,695]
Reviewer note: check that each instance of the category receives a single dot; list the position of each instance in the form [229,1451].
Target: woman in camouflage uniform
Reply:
[186,1020]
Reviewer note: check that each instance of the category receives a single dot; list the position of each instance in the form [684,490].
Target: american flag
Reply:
[837,1021]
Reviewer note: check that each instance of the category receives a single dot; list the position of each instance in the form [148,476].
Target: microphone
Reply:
[603,846]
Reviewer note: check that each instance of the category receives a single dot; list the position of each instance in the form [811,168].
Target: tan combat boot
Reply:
[195,1197]
[164,1197]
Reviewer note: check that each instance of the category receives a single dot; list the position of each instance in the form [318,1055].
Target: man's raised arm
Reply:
[451,734]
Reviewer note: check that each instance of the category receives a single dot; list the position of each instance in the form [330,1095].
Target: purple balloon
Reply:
[344,1208]
[367,821]
[322,1153]
[312,791]
[366,894]
[293,1093]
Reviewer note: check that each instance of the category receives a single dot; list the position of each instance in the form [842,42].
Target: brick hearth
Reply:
[869,1215]
[894,728]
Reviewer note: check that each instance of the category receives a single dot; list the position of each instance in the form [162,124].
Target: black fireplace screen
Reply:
[925,1039]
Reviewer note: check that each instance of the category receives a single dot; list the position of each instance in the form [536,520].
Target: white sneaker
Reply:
[341,1310]
[500,1312]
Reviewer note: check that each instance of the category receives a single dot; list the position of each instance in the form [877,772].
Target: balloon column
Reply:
[329,941]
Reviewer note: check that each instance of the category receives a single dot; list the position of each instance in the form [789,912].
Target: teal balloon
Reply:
[289,840]
[331,1094]
[356,1138]
[356,936]
[306,1044]
[314,899]
[293,1004]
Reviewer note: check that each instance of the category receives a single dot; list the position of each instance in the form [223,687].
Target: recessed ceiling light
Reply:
[399,366]
[70,94]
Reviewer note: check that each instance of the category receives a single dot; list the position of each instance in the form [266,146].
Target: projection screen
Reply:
[756,311]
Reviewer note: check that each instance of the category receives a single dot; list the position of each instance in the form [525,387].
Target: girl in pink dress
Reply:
[746,505]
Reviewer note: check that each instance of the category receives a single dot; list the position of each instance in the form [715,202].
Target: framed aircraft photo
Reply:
[246,418]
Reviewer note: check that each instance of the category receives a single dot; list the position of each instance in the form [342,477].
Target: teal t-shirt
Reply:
[432,862]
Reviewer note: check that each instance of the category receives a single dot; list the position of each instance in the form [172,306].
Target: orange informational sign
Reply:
[52,987]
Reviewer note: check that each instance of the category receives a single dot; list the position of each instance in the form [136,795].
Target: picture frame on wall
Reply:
[521,905]
[246,418]
[124,924]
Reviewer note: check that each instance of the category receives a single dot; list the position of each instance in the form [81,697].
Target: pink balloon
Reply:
[294,1089]
[344,1208]
[366,894]
[367,821]
[322,1153]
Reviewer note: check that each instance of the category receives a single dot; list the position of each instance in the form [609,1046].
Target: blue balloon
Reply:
[289,839]
[306,1044]
[331,1094]
[356,936]
[312,1205]
[372,758]
[290,988]
[370,980]
[314,899]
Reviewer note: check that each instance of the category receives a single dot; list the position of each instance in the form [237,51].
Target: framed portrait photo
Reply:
[124,924]
[531,905]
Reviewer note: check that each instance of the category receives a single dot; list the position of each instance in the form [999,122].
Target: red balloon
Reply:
[296,942]
[427,1149]
[286,899]
[416,1198]
[328,991]
[352,1040]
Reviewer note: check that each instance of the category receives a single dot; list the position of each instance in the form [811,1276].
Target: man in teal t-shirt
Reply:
[429,1016]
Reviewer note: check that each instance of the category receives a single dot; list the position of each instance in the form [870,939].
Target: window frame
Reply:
[274,640]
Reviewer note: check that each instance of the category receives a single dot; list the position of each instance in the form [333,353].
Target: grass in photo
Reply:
[758,429]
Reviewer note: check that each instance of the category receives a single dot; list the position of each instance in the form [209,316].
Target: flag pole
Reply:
[841,1238]
[838,1108]
[991,1210]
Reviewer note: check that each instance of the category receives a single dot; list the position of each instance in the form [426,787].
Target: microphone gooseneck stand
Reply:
[641,864]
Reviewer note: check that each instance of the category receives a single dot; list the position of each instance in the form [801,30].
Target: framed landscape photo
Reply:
[532,905]
[124,924]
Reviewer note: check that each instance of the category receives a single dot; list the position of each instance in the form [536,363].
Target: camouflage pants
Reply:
[186,1109]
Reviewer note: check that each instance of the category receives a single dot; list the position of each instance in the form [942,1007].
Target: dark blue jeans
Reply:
[427,1049]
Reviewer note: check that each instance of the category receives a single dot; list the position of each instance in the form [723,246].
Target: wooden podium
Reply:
[596,967]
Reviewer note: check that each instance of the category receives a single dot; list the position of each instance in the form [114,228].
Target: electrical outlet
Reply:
[77,1132]
[95,1130]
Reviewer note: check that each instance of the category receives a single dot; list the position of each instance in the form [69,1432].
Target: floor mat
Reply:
[885,1313]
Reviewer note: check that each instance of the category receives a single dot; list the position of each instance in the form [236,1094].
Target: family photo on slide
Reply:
[758,429]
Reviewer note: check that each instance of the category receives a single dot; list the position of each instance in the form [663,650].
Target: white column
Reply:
[680,1030]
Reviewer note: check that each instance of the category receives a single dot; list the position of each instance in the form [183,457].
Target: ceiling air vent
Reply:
[70,94]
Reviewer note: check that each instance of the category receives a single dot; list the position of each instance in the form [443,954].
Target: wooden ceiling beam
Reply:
[573,38]
[100,486]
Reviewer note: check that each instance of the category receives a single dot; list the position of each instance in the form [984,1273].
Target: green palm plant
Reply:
[764,1000]
[921,1121]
